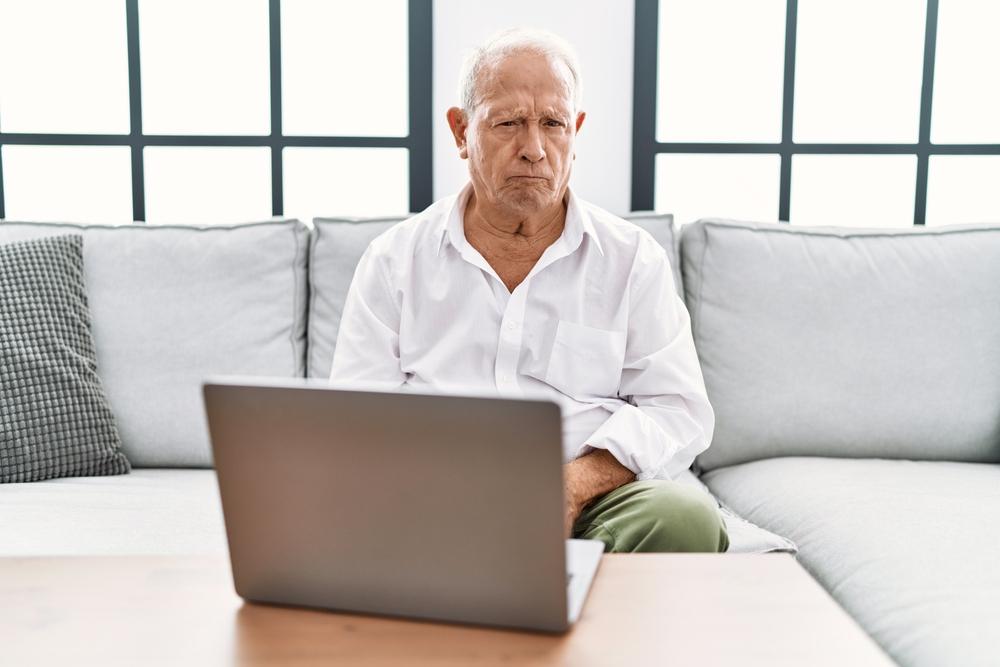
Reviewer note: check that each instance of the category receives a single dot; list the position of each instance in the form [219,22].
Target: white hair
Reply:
[506,43]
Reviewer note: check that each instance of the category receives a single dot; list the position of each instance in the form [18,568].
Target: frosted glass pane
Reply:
[63,67]
[966,71]
[963,189]
[858,71]
[344,68]
[853,190]
[207,185]
[332,182]
[740,186]
[720,68]
[205,67]
[68,183]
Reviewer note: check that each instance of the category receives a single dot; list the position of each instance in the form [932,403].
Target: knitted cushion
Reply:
[54,418]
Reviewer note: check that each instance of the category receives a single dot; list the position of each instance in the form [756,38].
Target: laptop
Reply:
[436,507]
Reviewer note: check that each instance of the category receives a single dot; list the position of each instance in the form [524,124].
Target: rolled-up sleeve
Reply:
[368,342]
[667,419]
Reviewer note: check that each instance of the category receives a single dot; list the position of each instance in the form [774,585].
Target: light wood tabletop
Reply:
[651,609]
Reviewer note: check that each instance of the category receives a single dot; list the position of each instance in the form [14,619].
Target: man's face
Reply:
[519,140]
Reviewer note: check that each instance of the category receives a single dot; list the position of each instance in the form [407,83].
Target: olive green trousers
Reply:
[654,515]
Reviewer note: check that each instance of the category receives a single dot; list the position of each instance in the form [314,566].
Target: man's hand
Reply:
[590,477]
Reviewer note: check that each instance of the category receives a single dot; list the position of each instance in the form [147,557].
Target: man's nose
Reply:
[532,146]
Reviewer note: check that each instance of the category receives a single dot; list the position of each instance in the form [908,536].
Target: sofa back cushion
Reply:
[337,247]
[846,342]
[661,227]
[171,305]
[338,244]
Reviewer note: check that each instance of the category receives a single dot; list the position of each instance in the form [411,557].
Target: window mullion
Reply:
[277,141]
[926,102]
[787,109]
[135,110]
[421,141]
[644,146]
[3,212]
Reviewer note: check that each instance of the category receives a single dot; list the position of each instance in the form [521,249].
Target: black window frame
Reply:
[418,141]
[645,147]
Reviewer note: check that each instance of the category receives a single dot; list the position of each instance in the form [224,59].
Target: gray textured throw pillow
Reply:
[54,418]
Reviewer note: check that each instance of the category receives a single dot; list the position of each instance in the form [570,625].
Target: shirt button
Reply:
[511,325]
[506,378]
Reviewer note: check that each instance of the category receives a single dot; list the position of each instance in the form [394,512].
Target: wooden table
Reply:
[655,609]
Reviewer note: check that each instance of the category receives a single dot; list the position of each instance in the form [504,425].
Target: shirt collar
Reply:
[578,223]
[453,230]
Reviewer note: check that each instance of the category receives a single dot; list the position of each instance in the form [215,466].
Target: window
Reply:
[214,110]
[818,112]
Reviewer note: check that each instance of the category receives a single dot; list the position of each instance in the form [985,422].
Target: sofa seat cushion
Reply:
[908,548]
[744,537]
[150,511]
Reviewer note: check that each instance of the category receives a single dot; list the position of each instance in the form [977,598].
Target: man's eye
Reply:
[508,123]
[554,123]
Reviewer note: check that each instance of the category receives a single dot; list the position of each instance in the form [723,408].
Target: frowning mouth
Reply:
[528,178]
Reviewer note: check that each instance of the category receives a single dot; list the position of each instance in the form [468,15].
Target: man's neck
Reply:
[512,241]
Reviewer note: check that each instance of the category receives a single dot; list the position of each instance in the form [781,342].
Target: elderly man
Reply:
[516,287]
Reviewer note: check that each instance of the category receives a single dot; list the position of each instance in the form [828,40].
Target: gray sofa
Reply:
[856,380]
[855,375]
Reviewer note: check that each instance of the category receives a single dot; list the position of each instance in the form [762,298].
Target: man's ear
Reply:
[459,124]
[579,120]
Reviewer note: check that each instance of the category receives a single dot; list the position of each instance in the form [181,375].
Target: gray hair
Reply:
[509,42]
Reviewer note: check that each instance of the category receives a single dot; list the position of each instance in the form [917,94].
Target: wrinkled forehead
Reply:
[514,79]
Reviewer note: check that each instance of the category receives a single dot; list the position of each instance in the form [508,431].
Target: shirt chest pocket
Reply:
[586,361]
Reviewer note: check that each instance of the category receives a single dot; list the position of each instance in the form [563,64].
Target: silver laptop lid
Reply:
[436,507]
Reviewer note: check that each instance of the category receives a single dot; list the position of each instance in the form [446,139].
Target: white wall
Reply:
[602,33]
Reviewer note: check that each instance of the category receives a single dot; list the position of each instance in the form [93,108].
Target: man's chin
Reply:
[528,199]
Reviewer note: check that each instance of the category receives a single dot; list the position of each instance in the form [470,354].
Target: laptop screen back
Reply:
[446,508]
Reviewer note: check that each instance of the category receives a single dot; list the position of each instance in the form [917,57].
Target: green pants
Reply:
[654,515]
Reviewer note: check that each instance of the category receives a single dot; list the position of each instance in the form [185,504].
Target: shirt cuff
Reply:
[635,440]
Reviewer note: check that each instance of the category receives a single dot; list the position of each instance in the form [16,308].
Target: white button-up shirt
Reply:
[597,327]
